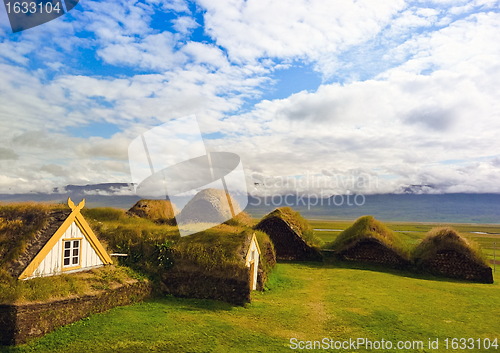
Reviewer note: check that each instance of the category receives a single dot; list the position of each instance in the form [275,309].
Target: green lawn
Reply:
[306,301]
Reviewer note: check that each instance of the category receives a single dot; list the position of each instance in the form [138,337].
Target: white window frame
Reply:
[75,244]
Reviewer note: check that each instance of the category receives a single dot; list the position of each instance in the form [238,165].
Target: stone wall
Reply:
[372,251]
[20,322]
[453,264]
[194,283]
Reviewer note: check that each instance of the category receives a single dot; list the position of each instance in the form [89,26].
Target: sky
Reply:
[315,96]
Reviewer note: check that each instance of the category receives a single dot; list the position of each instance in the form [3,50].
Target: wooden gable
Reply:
[73,247]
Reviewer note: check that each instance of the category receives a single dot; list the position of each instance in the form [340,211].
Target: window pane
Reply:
[75,252]
[67,253]
[75,260]
[76,243]
[66,262]
[67,244]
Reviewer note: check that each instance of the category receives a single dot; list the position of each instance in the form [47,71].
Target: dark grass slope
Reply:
[369,240]
[24,229]
[291,235]
[446,253]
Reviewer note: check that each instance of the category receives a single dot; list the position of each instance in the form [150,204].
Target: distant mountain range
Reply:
[408,206]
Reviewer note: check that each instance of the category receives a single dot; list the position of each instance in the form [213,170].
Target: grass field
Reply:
[306,301]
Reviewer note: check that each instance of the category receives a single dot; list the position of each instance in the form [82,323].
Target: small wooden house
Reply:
[42,240]
[62,242]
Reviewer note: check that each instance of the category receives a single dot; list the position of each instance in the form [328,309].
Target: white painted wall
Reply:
[253,255]
[52,264]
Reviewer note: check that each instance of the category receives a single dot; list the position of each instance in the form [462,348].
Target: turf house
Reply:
[444,252]
[224,263]
[54,271]
[291,235]
[157,210]
[72,247]
[370,241]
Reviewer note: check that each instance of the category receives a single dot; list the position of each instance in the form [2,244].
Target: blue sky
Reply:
[391,92]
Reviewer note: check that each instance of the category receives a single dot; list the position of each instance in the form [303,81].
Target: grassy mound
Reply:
[241,219]
[104,214]
[292,236]
[444,252]
[156,210]
[367,227]
[447,239]
[296,222]
[220,249]
[154,248]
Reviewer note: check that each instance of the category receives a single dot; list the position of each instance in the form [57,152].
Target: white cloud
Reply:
[297,29]
[154,52]
[185,24]
[434,100]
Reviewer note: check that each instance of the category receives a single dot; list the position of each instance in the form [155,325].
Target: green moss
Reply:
[219,250]
[142,240]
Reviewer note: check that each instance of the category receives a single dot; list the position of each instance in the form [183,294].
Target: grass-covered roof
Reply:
[24,229]
[221,245]
[156,210]
[151,245]
[367,227]
[296,222]
[447,239]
